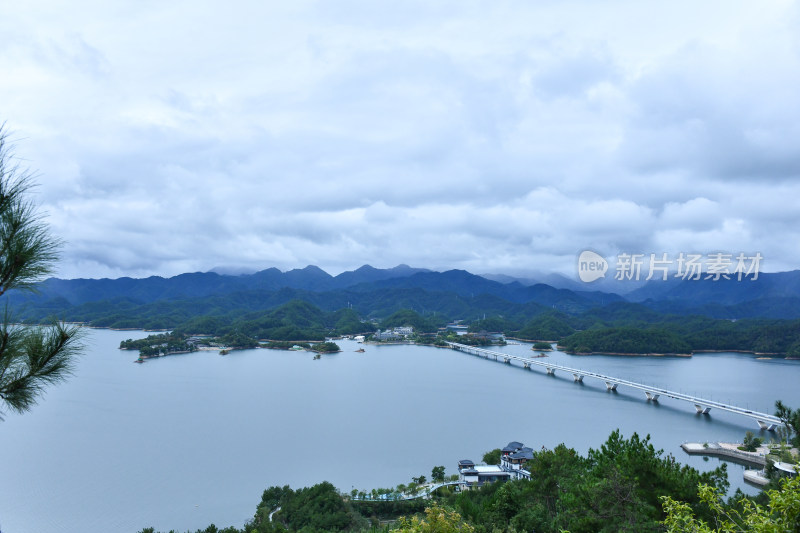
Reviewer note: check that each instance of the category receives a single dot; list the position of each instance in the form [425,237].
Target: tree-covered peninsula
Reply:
[581,322]
[159,344]
[626,340]
[619,328]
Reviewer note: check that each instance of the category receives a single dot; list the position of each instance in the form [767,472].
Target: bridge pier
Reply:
[702,406]
[764,425]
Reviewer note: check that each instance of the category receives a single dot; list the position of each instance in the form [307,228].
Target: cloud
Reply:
[720,113]
[504,136]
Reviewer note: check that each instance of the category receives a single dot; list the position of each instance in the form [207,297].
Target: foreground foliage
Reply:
[30,358]
[436,520]
[617,487]
[614,488]
[790,419]
[781,514]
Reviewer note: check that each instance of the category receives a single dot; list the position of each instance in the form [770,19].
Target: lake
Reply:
[182,441]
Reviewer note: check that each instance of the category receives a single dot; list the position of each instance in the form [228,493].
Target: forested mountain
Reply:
[197,285]
[617,487]
[722,291]
[672,316]
[770,296]
[376,293]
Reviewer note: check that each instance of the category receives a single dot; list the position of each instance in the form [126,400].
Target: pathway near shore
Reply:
[273,512]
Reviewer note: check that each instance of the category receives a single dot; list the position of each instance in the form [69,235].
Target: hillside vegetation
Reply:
[309,304]
[618,487]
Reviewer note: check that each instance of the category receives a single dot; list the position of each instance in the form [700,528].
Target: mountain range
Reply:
[375,292]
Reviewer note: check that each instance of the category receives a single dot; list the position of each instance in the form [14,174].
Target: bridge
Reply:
[423,492]
[702,405]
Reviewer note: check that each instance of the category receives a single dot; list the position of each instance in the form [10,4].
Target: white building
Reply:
[387,335]
[512,458]
[472,475]
[395,334]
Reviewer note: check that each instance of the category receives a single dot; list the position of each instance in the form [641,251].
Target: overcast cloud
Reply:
[501,136]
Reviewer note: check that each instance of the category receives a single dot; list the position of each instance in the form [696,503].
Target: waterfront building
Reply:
[512,459]
[398,333]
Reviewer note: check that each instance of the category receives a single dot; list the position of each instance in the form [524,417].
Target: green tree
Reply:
[622,487]
[492,457]
[751,442]
[437,474]
[317,508]
[437,520]
[30,357]
[782,514]
[790,418]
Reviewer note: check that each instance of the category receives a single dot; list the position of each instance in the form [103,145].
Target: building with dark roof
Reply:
[512,459]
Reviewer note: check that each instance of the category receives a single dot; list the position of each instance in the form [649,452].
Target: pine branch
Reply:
[33,358]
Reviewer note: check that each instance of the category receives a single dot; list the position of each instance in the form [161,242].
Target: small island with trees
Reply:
[172,343]
[623,329]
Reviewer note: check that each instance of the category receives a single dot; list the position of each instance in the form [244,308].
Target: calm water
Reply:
[187,440]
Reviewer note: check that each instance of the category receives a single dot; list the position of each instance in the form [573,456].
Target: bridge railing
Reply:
[765,421]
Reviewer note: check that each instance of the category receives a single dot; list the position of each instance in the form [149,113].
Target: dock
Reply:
[725,451]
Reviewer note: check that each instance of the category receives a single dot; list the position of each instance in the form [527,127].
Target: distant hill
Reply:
[374,293]
[772,295]
[198,285]
[465,284]
[311,279]
[369,274]
[560,281]
[723,292]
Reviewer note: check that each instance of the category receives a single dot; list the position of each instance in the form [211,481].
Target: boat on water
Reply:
[361,350]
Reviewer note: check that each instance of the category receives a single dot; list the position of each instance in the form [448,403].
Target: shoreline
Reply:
[763,355]
[769,355]
[648,354]
[725,450]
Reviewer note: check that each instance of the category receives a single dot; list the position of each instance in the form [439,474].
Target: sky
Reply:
[494,136]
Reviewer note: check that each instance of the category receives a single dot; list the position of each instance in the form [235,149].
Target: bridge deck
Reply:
[703,405]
